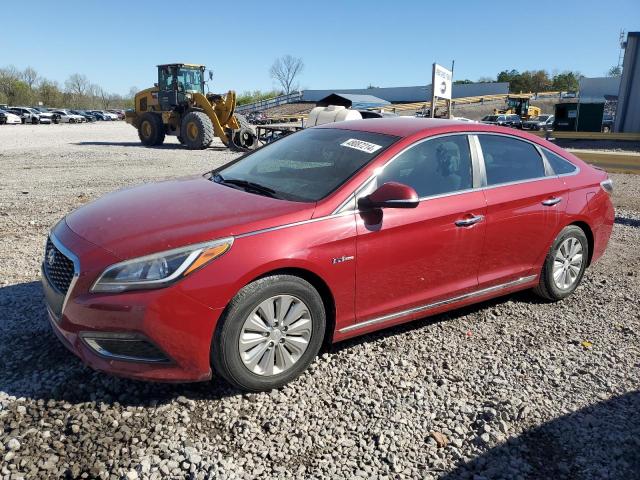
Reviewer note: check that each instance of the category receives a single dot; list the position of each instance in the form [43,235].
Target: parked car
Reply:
[29,115]
[99,115]
[118,113]
[541,122]
[8,118]
[65,116]
[45,113]
[104,114]
[113,116]
[335,231]
[86,115]
[503,120]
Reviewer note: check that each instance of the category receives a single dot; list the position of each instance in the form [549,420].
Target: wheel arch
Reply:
[320,285]
[586,228]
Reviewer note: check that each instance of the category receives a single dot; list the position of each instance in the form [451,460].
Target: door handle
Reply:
[551,201]
[467,222]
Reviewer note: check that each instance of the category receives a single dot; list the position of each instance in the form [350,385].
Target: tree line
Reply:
[28,88]
[539,80]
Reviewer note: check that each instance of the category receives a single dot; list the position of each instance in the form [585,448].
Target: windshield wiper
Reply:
[246,185]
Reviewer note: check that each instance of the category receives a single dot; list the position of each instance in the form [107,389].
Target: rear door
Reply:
[524,201]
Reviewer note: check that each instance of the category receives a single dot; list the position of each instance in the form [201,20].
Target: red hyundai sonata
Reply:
[332,232]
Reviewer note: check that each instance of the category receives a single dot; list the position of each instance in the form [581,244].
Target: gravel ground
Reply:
[512,388]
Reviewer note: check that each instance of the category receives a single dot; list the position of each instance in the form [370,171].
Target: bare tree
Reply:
[30,76]
[105,98]
[285,70]
[77,84]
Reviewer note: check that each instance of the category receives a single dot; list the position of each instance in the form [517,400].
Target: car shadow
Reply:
[34,364]
[627,221]
[598,441]
[526,296]
[164,146]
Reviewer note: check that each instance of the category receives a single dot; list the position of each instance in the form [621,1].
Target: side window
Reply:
[509,160]
[433,167]
[559,165]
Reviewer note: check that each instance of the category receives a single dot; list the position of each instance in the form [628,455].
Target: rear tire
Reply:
[151,130]
[564,265]
[196,131]
[232,362]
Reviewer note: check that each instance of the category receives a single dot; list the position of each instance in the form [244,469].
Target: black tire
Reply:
[225,355]
[35,120]
[151,130]
[547,287]
[245,136]
[196,130]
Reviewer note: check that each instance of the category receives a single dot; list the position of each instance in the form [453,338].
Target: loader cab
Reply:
[518,105]
[176,81]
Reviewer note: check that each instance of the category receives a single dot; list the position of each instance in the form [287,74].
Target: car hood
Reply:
[160,216]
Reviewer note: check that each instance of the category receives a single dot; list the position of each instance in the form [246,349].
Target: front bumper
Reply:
[165,320]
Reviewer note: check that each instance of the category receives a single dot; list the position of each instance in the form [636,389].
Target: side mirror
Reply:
[210,73]
[390,195]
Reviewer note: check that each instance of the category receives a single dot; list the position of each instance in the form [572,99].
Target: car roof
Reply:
[409,126]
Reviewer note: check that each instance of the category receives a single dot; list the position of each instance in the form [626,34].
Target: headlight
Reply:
[160,269]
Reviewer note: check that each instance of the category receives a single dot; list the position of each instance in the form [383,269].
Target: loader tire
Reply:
[196,131]
[242,120]
[151,130]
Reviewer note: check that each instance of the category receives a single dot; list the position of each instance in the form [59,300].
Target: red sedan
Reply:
[328,233]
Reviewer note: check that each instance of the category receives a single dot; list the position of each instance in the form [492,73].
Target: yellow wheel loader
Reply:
[177,105]
[519,105]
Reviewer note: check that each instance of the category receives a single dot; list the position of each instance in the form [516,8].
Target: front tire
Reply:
[269,334]
[151,130]
[564,265]
[196,130]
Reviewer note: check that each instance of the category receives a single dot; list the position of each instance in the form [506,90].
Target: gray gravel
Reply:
[505,389]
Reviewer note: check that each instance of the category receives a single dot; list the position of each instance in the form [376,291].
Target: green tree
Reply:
[462,82]
[614,71]
[49,94]
[566,81]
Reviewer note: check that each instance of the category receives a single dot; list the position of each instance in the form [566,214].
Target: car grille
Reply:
[58,267]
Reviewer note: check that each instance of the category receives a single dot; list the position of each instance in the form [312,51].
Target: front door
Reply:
[407,258]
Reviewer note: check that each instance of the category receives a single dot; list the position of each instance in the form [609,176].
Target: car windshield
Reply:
[305,166]
[541,118]
[490,118]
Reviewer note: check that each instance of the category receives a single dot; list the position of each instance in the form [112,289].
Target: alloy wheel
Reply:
[567,263]
[275,335]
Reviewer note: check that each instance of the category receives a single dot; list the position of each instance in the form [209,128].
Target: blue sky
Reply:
[347,44]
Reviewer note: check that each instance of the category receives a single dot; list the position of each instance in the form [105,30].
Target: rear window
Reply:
[507,159]
[559,165]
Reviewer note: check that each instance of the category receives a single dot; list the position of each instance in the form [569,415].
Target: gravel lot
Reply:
[512,388]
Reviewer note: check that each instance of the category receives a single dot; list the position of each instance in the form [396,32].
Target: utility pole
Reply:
[621,53]
[453,63]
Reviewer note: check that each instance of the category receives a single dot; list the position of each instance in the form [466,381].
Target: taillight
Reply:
[607,186]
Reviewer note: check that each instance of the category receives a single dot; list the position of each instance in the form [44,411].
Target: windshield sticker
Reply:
[361,145]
